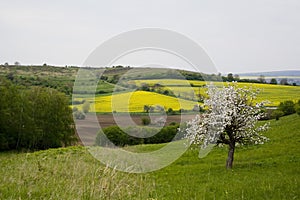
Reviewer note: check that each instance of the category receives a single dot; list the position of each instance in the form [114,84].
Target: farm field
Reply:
[188,96]
[273,93]
[136,100]
[269,171]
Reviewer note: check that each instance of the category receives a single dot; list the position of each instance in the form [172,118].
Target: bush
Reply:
[287,107]
[166,134]
[119,138]
[146,121]
[276,114]
[170,111]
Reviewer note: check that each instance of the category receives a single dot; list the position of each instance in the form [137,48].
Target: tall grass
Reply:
[66,173]
[269,171]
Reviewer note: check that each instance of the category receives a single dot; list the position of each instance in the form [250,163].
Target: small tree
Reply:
[170,111]
[236,77]
[277,114]
[146,121]
[146,108]
[230,120]
[261,79]
[273,81]
[284,81]
[230,77]
[287,107]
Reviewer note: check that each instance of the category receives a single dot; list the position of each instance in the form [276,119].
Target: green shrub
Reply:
[170,111]
[117,136]
[146,121]
[287,107]
[276,114]
[149,135]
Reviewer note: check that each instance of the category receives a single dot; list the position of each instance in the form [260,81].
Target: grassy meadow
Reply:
[268,171]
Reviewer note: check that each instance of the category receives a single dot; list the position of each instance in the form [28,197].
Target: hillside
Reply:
[269,171]
[273,73]
[62,79]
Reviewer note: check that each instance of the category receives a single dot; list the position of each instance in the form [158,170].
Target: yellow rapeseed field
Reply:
[273,93]
[135,101]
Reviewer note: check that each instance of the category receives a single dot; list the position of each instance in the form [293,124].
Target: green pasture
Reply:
[268,171]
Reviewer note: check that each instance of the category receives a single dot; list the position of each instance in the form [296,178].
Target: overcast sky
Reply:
[239,36]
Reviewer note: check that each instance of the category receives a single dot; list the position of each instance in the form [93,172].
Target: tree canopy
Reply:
[35,118]
[231,119]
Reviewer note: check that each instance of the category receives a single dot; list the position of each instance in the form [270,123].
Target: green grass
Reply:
[269,171]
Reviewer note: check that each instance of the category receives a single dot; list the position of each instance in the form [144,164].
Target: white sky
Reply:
[238,35]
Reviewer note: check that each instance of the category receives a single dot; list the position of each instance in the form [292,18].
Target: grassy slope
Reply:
[269,171]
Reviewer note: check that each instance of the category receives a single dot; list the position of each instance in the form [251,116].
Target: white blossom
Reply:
[231,118]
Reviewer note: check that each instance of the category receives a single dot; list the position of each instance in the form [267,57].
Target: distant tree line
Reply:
[261,79]
[34,118]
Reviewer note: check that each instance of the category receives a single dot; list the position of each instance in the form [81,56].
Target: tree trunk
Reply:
[230,155]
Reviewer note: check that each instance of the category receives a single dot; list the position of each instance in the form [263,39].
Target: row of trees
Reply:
[170,111]
[261,79]
[35,118]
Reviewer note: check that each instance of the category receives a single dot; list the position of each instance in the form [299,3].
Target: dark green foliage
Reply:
[170,111]
[146,108]
[276,114]
[273,81]
[287,107]
[166,134]
[146,121]
[36,118]
[230,77]
[120,138]
[145,87]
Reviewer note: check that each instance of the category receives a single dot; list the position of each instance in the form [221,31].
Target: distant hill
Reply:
[274,73]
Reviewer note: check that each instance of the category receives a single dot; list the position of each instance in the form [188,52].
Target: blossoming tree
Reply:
[230,119]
